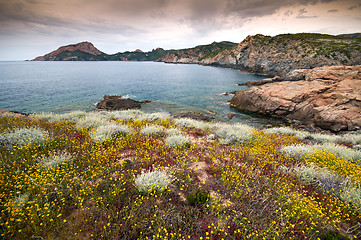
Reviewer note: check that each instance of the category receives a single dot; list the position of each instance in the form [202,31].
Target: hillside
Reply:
[286,52]
[196,54]
[133,175]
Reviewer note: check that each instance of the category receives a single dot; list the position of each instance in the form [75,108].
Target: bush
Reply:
[173,131]
[177,141]
[155,116]
[24,136]
[153,130]
[352,195]
[191,123]
[198,197]
[156,180]
[290,131]
[91,120]
[232,133]
[296,152]
[56,159]
[340,151]
[125,115]
[324,138]
[71,116]
[104,132]
[21,200]
[354,139]
[324,178]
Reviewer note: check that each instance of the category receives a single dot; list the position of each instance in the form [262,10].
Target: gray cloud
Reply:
[302,12]
[352,7]
[332,11]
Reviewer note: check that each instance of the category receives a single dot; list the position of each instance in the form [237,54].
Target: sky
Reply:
[31,28]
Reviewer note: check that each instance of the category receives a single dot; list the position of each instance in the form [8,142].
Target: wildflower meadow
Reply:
[132,175]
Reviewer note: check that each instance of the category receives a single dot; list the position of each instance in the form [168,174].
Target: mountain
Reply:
[261,54]
[84,51]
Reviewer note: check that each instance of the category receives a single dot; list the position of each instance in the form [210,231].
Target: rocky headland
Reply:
[327,97]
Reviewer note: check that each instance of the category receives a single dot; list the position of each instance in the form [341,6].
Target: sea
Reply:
[60,87]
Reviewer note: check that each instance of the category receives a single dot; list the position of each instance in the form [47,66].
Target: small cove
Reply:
[66,86]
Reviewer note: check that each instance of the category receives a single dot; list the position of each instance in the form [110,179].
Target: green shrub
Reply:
[198,197]
[156,180]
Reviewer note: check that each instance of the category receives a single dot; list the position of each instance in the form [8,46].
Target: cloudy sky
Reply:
[29,28]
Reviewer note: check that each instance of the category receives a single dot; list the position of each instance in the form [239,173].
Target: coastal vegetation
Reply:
[132,175]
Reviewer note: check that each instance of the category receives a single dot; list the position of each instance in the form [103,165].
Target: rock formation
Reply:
[193,115]
[327,97]
[114,102]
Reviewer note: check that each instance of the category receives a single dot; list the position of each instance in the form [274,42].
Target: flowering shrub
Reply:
[177,141]
[155,116]
[125,115]
[156,180]
[24,136]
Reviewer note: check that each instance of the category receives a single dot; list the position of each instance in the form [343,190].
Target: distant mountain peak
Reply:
[85,47]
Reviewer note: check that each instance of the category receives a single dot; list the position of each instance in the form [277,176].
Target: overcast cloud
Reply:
[29,28]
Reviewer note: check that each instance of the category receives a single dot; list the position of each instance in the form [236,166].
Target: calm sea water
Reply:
[65,86]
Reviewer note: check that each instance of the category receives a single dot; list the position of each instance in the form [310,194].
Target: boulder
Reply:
[113,102]
[230,115]
[193,115]
[325,97]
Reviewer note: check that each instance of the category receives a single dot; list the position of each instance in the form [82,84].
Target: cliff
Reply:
[327,97]
[284,53]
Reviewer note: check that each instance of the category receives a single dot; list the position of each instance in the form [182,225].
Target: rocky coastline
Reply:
[327,97]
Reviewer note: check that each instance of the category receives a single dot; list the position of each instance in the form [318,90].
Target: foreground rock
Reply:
[114,102]
[193,115]
[325,97]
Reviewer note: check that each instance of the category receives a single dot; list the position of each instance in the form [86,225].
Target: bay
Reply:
[60,87]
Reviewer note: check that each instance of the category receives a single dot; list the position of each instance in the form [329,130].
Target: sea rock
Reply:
[193,115]
[327,97]
[230,115]
[114,102]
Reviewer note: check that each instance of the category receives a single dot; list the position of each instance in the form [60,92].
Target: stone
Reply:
[326,97]
[230,115]
[193,115]
[118,104]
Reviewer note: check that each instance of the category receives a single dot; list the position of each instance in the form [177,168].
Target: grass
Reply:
[138,186]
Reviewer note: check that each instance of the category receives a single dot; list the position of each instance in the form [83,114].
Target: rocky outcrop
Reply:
[326,97]
[193,115]
[114,102]
[283,53]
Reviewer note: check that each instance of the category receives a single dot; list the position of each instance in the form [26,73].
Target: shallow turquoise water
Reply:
[65,86]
